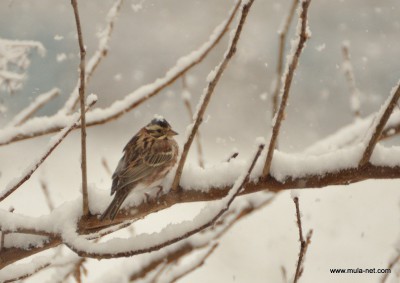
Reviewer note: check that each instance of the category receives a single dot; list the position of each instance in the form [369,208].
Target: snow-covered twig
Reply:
[303,243]
[36,105]
[82,80]
[15,60]
[281,51]
[297,46]
[379,123]
[349,74]
[95,60]
[98,116]
[186,101]
[54,142]
[213,80]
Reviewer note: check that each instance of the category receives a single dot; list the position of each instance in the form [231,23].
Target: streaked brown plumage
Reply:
[147,158]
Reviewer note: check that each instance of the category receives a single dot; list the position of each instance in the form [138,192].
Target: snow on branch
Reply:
[14,60]
[169,235]
[213,79]
[32,108]
[379,123]
[34,127]
[53,143]
[303,34]
[213,183]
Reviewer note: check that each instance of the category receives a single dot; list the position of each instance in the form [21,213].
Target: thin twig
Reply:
[130,102]
[392,263]
[292,65]
[186,101]
[52,146]
[281,52]
[209,91]
[46,194]
[303,243]
[232,156]
[379,123]
[349,74]
[36,105]
[106,166]
[82,51]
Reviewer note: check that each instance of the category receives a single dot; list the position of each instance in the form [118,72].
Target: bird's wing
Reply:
[140,168]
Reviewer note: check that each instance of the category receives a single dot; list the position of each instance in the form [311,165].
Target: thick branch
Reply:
[344,176]
[82,51]
[302,37]
[209,91]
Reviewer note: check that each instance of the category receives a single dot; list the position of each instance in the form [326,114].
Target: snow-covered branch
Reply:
[32,108]
[14,60]
[34,127]
[303,33]
[213,79]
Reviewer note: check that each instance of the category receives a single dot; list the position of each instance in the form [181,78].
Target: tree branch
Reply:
[213,81]
[303,243]
[379,124]
[292,65]
[82,51]
[281,51]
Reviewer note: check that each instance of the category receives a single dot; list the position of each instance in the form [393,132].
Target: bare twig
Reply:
[37,104]
[52,146]
[233,156]
[379,123]
[392,263]
[46,194]
[349,74]
[106,166]
[131,100]
[186,101]
[303,243]
[292,65]
[209,91]
[281,52]
[82,51]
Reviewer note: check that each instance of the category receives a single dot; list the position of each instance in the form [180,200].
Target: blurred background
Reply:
[354,226]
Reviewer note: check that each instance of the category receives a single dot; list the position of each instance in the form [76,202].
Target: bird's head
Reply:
[159,128]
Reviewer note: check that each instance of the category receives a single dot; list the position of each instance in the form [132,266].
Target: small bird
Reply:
[147,158]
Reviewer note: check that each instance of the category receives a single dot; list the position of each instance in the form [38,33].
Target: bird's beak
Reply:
[172,132]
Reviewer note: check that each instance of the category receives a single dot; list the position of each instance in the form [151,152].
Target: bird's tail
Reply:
[114,206]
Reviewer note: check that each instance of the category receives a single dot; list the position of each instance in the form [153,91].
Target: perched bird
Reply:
[147,158]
